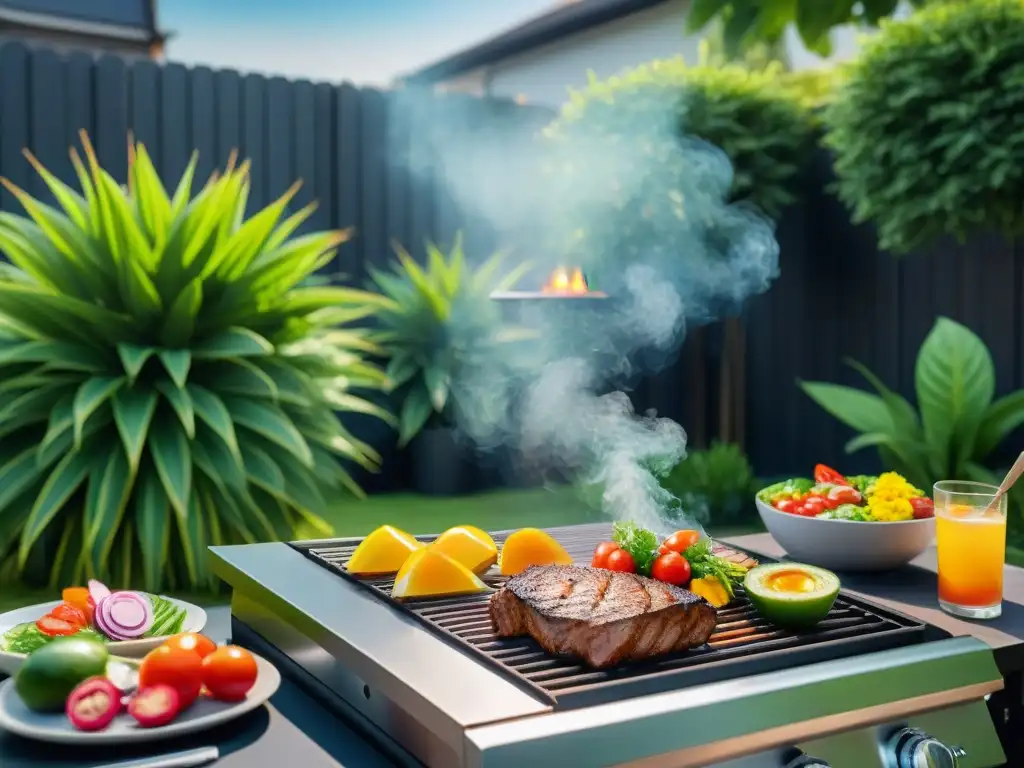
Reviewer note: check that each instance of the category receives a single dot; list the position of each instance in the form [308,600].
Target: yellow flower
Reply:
[889,510]
[891,485]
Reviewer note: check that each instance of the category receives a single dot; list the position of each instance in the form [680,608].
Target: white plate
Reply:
[204,714]
[195,621]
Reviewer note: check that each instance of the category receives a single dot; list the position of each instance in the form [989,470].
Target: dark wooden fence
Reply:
[837,295]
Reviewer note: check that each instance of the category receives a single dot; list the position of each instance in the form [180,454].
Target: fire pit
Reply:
[433,685]
[563,283]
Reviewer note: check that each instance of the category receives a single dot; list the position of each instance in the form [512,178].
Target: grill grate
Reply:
[743,643]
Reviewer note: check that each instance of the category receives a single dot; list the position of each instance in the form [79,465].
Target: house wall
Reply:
[544,75]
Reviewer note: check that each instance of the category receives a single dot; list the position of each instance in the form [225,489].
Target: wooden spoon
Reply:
[1011,477]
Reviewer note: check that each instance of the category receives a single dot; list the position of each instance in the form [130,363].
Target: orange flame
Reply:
[566,281]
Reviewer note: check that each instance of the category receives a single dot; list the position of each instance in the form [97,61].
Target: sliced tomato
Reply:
[814,507]
[70,614]
[923,508]
[53,627]
[823,474]
[844,494]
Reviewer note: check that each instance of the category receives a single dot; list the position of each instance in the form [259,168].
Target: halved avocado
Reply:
[791,594]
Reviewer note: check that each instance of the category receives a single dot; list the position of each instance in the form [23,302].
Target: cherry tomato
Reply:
[844,494]
[229,672]
[672,568]
[814,507]
[680,541]
[178,668]
[70,614]
[601,553]
[155,706]
[620,560]
[52,627]
[823,474]
[923,508]
[193,641]
[788,506]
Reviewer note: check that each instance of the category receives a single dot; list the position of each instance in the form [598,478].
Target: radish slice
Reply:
[124,615]
[97,590]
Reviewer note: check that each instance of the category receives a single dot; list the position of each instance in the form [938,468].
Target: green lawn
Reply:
[420,514]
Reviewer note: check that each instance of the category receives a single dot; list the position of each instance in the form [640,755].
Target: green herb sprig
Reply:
[640,543]
[703,563]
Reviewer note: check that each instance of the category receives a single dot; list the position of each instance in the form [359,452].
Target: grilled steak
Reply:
[602,617]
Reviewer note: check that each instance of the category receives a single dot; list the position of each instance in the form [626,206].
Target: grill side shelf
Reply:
[743,643]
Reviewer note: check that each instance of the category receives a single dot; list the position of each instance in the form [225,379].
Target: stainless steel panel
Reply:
[628,731]
[438,686]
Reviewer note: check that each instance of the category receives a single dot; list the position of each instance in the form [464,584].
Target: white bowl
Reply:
[846,545]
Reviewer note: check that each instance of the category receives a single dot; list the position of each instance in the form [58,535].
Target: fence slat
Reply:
[348,175]
[111,139]
[145,101]
[254,138]
[228,87]
[177,145]
[14,96]
[278,154]
[303,142]
[203,124]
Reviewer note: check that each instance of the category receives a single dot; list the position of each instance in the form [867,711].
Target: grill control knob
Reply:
[913,748]
[798,759]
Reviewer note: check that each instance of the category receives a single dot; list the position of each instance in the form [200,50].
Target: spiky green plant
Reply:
[440,323]
[166,383]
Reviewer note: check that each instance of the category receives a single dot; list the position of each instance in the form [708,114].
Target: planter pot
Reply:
[438,465]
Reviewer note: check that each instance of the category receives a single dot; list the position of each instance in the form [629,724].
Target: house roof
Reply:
[131,20]
[567,19]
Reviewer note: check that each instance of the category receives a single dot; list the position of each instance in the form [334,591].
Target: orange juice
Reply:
[971,554]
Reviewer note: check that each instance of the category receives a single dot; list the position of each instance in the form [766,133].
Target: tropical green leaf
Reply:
[416,409]
[91,395]
[262,470]
[133,412]
[212,410]
[192,534]
[857,409]
[271,423]
[177,362]
[1001,418]
[180,323]
[233,343]
[180,401]
[955,382]
[169,450]
[110,486]
[18,473]
[152,526]
[134,358]
[65,479]
[240,377]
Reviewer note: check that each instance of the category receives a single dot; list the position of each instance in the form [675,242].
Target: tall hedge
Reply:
[928,126]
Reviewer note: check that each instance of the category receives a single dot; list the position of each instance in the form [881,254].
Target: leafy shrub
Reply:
[438,322]
[759,124]
[959,425]
[927,126]
[715,484]
[166,386]
[753,22]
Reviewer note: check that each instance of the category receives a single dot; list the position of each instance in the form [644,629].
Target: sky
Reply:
[362,41]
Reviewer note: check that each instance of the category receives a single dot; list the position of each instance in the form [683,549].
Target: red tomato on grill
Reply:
[672,568]
[601,553]
[620,560]
[823,474]
[680,541]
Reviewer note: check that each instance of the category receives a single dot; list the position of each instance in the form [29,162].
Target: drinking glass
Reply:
[971,533]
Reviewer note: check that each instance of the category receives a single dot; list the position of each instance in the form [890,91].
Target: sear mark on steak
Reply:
[602,617]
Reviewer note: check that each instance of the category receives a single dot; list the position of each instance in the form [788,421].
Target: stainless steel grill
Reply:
[433,686]
[743,643]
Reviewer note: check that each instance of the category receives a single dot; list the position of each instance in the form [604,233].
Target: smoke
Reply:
[643,209]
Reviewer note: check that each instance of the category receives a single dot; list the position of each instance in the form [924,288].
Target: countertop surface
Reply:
[293,730]
[913,590]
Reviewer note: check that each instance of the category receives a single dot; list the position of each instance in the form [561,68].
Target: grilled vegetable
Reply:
[620,560]
[601,553]
[672,568]
[640,543]
[791,594]
[680,541]
[710,589]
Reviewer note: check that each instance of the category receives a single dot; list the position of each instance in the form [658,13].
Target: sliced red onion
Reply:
[124,615]
[97,590]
